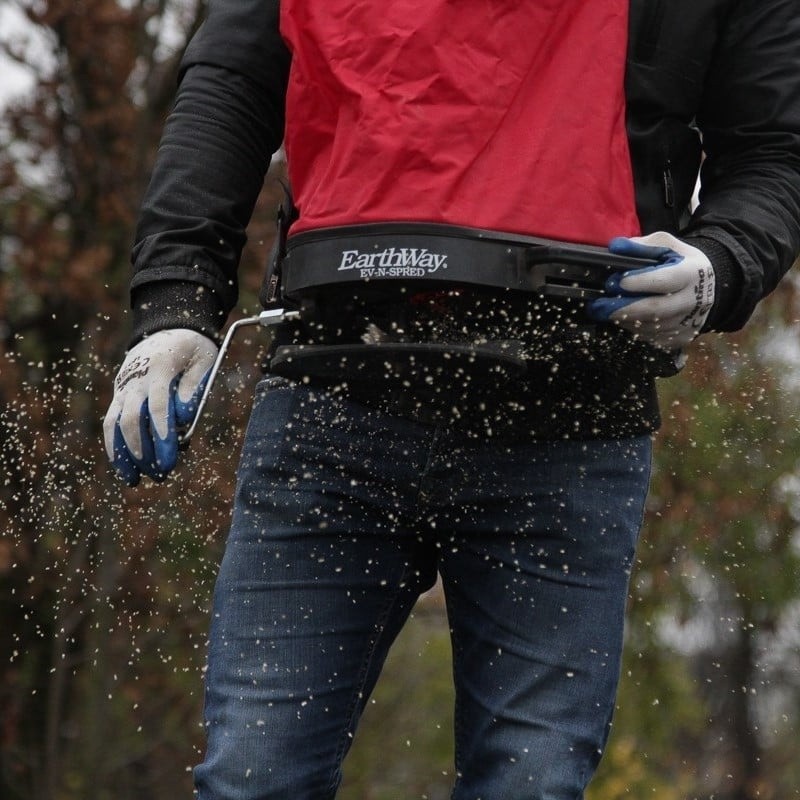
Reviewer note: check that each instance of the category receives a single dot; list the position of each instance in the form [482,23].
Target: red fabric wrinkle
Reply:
[491,113]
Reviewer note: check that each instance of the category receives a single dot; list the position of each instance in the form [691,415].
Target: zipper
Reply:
[668,185]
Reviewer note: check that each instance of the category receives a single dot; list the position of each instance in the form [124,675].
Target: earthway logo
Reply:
[393,262]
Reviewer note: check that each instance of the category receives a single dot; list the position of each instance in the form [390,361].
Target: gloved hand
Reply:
[665,305]
[156,392]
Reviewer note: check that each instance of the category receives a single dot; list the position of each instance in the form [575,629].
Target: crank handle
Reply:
[267,318]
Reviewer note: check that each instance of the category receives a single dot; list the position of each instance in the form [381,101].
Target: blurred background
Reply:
[104,591]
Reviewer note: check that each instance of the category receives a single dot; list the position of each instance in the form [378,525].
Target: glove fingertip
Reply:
[599,309]
[620,244]
[185,410]
[603,309]
[158,477]
[613,283]
[149,464]
[624,246]
[131,476]
[166,452]
[165,449]
[122,460]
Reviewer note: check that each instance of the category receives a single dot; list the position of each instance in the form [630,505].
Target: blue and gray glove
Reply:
[156,393]
[665,305]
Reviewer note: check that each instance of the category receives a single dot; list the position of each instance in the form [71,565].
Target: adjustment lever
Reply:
[571,270]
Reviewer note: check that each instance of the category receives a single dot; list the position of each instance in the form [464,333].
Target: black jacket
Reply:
[718,79]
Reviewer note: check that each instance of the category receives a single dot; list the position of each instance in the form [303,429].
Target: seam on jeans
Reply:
[420,496]
[458,724]
[369,657]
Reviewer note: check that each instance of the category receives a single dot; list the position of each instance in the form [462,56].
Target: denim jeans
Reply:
[343,515]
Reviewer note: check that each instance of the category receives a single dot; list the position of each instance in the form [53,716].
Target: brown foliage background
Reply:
[104,590]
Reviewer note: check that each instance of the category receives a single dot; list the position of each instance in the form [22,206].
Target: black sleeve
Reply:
[215,150]
[750,197]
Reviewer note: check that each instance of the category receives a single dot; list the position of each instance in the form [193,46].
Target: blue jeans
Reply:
[343,516]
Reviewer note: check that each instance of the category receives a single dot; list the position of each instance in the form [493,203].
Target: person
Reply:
[409,428]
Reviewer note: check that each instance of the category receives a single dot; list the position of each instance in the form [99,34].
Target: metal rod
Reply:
[265,319]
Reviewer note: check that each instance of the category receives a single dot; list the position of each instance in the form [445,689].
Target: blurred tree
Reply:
[103,590]
[712,686]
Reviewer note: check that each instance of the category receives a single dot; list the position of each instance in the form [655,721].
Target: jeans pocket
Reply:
[271,382]
[267,387]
